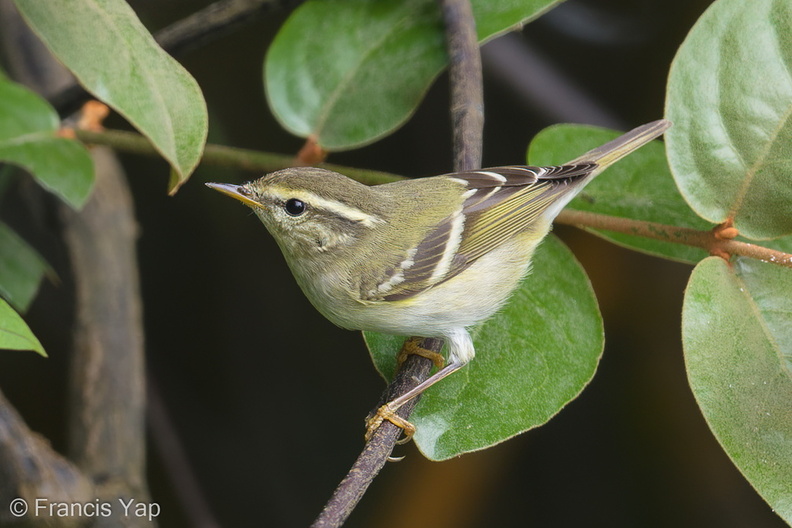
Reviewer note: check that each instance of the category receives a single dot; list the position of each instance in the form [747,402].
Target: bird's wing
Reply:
[498,203]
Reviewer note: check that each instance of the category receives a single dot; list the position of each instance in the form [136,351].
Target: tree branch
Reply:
[237,158]
[378,449]
[706,240]
[107,429]
[467,121]
[30,469]
[467,93]
[214,21]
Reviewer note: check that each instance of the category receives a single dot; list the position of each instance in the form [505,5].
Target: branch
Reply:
[467,94]
[378,449]
[467,120]
[711,241]
[31,469]
[237,158]
[215,21]
[200,28]
[107,429]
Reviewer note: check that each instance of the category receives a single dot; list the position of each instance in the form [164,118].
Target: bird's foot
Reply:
[387,412]
[412,347]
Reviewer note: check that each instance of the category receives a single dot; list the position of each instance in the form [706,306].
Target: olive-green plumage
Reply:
[428,256]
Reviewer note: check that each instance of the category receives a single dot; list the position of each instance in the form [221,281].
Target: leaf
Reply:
[28,138]
[21,269]
[532,358]
[737,335]
[351,71]
[14,333]
[116,59]
[730,98]
[639,187]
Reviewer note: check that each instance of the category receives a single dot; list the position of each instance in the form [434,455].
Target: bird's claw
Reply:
[412,347]
[387,412]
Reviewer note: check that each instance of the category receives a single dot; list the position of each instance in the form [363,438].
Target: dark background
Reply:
[267,398]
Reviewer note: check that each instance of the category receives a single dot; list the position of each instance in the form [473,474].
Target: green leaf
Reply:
[28,138]
[730,98]
[639,187]
[14,333]
[532,358]
[737,335]
[351,71]
[116,59]
[21,269]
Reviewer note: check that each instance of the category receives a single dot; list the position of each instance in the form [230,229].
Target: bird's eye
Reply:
[294,207]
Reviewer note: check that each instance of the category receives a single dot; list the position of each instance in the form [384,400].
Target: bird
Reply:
[426,257]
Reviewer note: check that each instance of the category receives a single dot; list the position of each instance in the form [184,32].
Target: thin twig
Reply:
[378,449]
[214,21]
[467,93]
[467,121]
[706,240]
[231,157]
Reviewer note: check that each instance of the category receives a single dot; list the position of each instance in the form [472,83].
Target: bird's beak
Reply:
[239,192]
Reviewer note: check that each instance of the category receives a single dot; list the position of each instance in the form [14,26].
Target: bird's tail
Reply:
[613,151]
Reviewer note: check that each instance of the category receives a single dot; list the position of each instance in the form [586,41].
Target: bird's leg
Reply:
[388,411]
[412,347]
